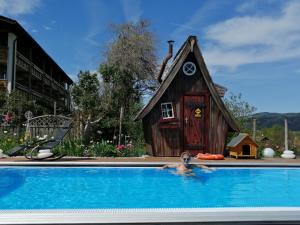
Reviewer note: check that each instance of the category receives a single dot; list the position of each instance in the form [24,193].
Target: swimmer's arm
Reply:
[203,167]
[169,166]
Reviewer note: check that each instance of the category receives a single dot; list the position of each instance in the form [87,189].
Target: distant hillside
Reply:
[265,120]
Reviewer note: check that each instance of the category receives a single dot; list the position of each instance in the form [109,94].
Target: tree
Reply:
[17,104]
[276,136]
[131,60]
[240,109]
[128,73]
[85,93]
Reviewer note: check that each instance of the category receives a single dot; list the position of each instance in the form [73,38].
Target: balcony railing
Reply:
[38,95]
[37,72]
[47,81]
[22,87]
[23,62]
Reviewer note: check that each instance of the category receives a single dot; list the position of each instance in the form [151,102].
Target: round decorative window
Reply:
[189,68]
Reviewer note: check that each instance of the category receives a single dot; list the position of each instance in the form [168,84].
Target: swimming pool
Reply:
[36,188]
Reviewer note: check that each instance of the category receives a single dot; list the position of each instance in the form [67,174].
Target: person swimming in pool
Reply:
[185,167]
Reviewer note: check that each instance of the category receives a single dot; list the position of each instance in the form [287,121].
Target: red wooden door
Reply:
[194,124]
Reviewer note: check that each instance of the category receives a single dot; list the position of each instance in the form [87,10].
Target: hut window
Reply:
[167,110]
[189,68]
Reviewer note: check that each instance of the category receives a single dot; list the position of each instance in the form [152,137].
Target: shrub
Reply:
[76,148]
[9,140]
[104,149]
[71,148]
[130,150]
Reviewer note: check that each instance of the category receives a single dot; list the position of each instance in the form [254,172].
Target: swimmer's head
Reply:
[185,158]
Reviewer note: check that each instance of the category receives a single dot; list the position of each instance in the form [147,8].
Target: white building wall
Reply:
[11,61]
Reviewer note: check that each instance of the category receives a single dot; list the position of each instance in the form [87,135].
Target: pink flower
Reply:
[130,146]
[120,147]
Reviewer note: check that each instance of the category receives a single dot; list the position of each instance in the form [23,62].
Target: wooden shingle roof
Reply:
[190,45]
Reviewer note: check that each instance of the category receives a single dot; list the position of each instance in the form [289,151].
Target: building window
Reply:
[167,110]
[189,68]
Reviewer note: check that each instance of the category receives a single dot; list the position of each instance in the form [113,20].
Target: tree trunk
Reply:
[120,125]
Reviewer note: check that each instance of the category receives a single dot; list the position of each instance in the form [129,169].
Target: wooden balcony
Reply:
[3,54]
[37,72]
[22,87]
[23,62]
[47,79]
[26,65]
[58,85]
[37,94]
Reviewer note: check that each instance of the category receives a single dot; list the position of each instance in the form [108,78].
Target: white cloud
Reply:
[246,6]
[255,39]
[18,7]
[132,10]
[47,27]
[95,20]
[193,25]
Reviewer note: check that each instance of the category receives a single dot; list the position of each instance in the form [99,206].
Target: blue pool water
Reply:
[90,188]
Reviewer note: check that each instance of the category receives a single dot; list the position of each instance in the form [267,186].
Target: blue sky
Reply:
[251,47]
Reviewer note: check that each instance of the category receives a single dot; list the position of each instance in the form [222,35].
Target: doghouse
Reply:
[242,146]
[186,113]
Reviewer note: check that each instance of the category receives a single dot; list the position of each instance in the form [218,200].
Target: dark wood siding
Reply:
[218,130]
[165,137]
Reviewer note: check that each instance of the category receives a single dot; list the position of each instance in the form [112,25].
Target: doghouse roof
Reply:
[190,45]
[238,139]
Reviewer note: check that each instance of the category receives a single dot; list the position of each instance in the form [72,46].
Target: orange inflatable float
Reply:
[208,156]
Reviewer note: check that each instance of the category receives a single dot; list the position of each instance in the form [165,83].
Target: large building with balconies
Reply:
[26,67]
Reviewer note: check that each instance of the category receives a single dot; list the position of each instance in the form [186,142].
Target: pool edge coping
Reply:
[148,164]
[159,215]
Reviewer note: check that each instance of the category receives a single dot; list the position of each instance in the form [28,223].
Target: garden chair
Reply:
[43,149]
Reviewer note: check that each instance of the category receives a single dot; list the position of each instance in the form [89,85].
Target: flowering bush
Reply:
[130,150]
[101,149]
[120,147]
[70,147]
[105,149]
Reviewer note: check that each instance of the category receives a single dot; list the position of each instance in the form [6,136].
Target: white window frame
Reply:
[166,110]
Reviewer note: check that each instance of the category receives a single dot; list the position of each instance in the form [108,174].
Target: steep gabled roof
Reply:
[190,45]
[238,139]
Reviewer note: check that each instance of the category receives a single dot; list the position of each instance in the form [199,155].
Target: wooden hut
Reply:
[186,113]
[242,146]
